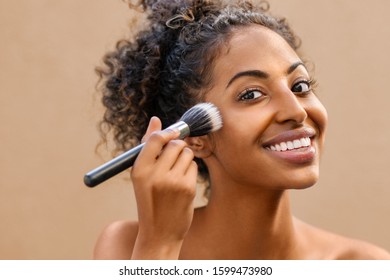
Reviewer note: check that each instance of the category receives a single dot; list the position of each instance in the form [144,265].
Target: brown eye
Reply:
[250,94]
[301,87]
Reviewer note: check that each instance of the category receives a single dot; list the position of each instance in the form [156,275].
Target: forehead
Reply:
[254,47]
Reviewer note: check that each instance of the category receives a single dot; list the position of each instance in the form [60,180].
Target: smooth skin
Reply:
[265,97]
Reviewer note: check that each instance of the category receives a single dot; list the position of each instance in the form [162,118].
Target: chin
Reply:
[300,180]
[303,185]
[303,182]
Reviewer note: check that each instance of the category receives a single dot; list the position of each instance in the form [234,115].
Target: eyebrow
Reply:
[295,66]
[261,74]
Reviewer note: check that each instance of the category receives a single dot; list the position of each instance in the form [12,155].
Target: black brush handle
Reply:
[125,160]
[112,167]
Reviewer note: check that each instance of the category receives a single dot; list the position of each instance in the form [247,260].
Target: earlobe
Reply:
[199,145]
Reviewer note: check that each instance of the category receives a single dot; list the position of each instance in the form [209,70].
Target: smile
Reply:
[293,146]
[290,145]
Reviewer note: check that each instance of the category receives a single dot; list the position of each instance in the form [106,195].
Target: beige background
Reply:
[49,110]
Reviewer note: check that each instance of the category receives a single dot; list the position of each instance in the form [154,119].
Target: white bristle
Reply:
[202,119]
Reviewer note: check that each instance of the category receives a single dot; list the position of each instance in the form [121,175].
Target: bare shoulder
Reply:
[329,245]
[355,249]
[116,241]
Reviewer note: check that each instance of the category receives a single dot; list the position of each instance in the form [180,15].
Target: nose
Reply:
[289,107]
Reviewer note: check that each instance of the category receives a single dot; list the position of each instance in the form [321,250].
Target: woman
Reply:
[244,61]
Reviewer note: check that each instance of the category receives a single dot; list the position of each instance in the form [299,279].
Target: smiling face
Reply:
[273,123]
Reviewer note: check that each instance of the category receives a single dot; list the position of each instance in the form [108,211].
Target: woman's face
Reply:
[273,123]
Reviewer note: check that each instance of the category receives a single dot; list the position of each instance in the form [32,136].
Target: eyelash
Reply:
[243,96]
[310,84]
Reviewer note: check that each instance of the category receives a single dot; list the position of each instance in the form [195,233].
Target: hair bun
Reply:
[174,14]
[180,19]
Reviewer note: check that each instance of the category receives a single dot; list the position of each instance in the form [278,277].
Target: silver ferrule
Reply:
[182,127]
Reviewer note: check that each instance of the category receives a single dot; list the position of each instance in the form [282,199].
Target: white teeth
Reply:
[291,145]
[297,144]
[305,142]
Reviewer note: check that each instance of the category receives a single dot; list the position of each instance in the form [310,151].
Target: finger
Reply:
[171,153]
[192,173]
[155,144]
[191,176]
[183,161]
[154,125]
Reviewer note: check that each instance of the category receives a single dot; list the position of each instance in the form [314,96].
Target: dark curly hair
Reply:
[165,69]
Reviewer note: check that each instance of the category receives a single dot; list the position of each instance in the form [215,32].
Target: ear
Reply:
[200,145]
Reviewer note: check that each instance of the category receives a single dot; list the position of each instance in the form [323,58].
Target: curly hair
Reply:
[165,69]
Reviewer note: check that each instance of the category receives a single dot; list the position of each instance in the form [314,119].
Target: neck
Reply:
[247,224]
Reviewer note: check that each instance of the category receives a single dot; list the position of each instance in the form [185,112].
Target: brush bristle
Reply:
[202,119]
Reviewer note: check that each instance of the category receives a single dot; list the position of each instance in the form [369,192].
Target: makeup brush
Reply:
[199,120]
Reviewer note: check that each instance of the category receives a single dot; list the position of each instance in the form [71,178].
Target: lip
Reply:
[303,155]
[290,135]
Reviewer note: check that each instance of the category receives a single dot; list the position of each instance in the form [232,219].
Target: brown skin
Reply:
[248,215]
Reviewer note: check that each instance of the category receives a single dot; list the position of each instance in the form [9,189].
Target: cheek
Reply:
[239,127]
[234,141]
[318,114]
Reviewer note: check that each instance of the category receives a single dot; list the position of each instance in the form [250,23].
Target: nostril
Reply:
[292,111]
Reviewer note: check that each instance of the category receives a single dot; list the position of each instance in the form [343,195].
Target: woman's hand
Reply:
[164,179]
